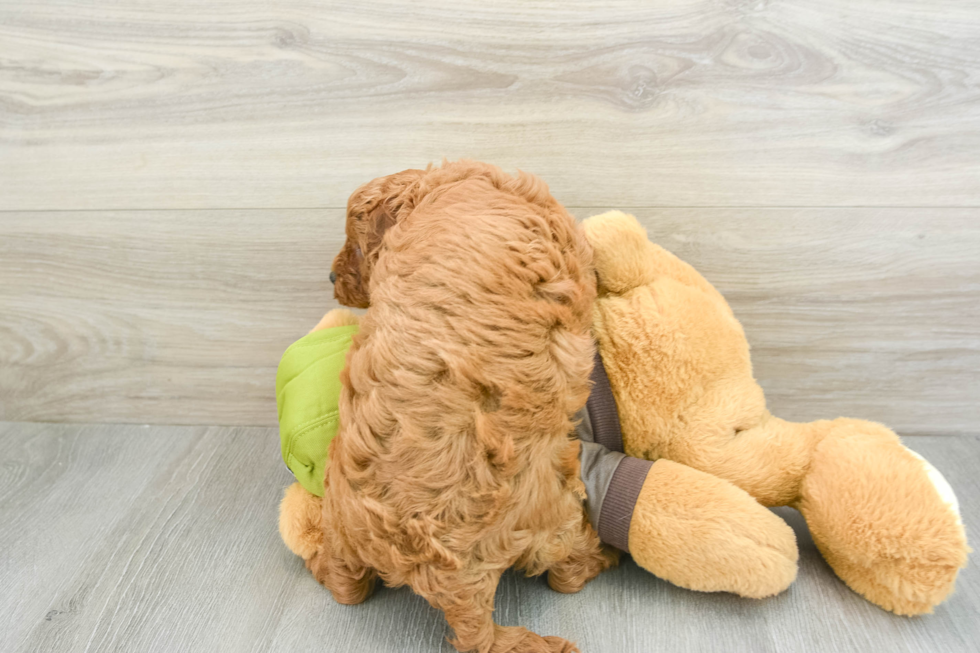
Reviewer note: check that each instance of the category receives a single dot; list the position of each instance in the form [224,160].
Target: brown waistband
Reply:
[620,502]
[601,407]
[618,498]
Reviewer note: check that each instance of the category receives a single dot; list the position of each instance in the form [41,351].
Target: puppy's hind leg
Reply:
[350,586]
[469,611]
[587,559]
[581,556]
[349,583]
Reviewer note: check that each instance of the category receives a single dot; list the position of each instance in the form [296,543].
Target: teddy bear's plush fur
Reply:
[679,367]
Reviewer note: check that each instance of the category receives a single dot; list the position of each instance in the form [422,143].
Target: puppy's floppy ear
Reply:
[379,205]
[378,222]
[372,210]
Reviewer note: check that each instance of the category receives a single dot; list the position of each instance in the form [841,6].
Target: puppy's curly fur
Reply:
[454,460]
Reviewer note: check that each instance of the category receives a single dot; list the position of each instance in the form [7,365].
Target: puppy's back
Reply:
[472,359]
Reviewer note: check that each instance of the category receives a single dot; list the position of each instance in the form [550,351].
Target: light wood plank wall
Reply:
[172,177]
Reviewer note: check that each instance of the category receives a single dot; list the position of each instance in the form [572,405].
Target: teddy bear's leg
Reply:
[703,533]
[887,529]
[879,519]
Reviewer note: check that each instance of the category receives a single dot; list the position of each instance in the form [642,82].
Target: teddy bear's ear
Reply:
[622,251]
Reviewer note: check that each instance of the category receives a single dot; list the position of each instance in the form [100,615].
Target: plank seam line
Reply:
[567,206]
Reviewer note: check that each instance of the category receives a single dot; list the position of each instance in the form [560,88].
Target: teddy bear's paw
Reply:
[300,521]
[704,533]
[621,251]
[885,520]
[943,488]
[904,586]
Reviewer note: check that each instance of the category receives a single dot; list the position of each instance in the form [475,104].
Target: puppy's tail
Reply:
[301,521]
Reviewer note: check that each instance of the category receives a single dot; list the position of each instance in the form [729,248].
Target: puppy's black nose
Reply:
[333,277]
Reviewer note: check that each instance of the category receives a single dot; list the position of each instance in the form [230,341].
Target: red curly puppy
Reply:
[454,460]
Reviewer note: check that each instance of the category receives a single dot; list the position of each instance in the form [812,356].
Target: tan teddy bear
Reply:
[678,363]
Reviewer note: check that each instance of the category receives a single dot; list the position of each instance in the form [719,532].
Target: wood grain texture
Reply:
[127,538]
[180,317]
[240,103]
[165,317]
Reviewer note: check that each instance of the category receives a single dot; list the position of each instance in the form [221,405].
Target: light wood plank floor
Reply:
[130,538]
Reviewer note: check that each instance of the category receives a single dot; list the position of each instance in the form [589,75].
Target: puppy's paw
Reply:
[570,576]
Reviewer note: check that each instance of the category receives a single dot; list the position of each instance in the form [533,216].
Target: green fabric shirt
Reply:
[308,398]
